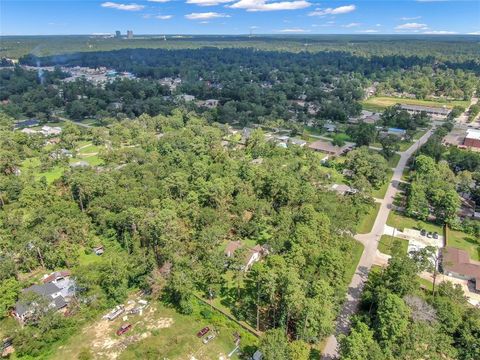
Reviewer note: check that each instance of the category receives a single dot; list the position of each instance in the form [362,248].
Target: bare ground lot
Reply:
[160,332]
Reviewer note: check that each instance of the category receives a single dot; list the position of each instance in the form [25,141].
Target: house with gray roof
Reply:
[57,288]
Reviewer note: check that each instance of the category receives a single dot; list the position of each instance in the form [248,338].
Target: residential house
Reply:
[442,111]
[252,255]
[457,263]
[400,133]
[51,130]
[211,103]
[328,148]
[231,247]
[343,189]
[331,128]
[57,289]
[472,139]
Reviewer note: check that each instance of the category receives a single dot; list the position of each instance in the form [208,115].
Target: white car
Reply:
[208,338]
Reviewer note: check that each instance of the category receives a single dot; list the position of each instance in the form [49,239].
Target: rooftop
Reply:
[458,261]
[430,109]
[473,134]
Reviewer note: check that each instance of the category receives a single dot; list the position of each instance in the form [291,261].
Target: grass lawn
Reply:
[380,192]
[393,161]
[357,252]
[465,242]
[51,175]
[387,242]
[159,333]
[401,222]
[378,103]
[366,224]
[89,148]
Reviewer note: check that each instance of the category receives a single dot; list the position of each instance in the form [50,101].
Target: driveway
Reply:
[370,241]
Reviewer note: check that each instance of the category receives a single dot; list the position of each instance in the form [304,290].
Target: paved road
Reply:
[370,241]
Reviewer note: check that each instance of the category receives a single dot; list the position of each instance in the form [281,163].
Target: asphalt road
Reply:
[370,241]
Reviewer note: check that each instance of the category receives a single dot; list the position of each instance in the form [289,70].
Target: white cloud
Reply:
[407,18]
[266,5]
[163,17]
[432,0]
[159,1]
[474,33]
[368,31]
[440,32]
[205,16]
[208,2]
[353,24]
[333,11]
[126,7]
[412,26]
[294,31]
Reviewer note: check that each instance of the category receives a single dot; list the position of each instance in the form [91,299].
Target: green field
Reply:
[379,103]
[387,243]
[366,224]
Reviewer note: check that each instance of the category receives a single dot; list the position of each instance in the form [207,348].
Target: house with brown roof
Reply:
[328,148]
[252,255]
[457,263]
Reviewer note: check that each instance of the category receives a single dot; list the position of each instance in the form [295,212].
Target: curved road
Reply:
[370,241]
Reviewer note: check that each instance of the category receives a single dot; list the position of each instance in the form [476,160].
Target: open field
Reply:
[378,103]
[160,332]
[387,243]
[366,224]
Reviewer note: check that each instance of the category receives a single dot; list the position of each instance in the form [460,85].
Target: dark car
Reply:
[202,332]
[123,329]
[6,343]
[435,235]
[423,232]
[429,234]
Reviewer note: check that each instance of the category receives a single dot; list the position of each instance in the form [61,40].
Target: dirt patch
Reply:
[106,345]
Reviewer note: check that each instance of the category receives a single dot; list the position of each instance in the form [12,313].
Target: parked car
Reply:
[435,235]
[6,343]
[124,328]
[202,332]
[423,232]
[208,338]
[429,234]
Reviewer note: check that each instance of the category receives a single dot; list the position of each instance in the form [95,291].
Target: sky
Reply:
[64,17]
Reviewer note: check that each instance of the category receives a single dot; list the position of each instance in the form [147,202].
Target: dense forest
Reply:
[446,48]
[252,86]
[176,199]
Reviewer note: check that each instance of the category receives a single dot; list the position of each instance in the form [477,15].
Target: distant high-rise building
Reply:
[118,34]
[129,34]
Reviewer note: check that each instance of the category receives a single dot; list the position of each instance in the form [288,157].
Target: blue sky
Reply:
[36,17]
